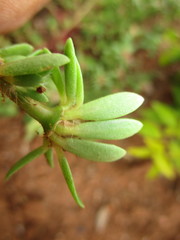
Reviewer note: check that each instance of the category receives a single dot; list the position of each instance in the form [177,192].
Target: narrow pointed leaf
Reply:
[33,65]
[69,178]
[31,80]
[16,49]
[25,160]
[90,150]
[80,86]
[109,107]
[59,83]
[49,157]
[108,130]
[70,72]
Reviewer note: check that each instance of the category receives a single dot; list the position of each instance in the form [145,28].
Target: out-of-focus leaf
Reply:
[31,80]
[150,129]
[109,107]
[163,165]
[159,158]
[165,113]
[170,56]
[174,152]
[153,172]
[8,108]
[16,49]
[139,152]
[13,58]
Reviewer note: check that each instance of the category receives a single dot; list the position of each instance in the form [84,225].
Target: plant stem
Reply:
[46,116]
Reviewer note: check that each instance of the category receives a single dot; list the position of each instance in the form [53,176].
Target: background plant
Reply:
[161,136]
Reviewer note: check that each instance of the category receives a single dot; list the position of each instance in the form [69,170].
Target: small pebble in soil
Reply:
[102,218]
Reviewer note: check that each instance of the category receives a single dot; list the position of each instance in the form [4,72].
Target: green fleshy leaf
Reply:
[165,114]
[49,157]
[59,83]
[31,80]
[68,177]
[108,130]
[80,86]
[109,107]
[163,165]
[33,65]
[90,150]
[16,49]
[13,58]
[31,93]
[39,52]
[25,160]
[70,72]
[151,129]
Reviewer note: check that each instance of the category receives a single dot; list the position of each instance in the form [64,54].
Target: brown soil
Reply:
[121,204]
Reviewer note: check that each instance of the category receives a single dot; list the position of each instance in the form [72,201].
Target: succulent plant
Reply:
[69,125]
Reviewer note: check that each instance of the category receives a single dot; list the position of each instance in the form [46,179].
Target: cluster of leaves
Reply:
[161,135]
[107,29]
[69,125]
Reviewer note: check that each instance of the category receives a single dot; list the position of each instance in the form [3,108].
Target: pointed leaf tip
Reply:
[68,177]
[23,161]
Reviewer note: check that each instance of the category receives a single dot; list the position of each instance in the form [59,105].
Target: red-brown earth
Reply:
[121,203]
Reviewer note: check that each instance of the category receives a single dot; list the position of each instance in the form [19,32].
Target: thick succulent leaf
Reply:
[80,86]
[39,52]
[31,80]
[70,71]
[31,93]
[49,157]
[13,58]
[90,150]
[16,49]
[59,83]
[69,178]
[109,107]
[108,130]
[25,160]
[33,65]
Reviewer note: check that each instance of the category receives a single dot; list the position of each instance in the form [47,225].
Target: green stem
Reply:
[46,116]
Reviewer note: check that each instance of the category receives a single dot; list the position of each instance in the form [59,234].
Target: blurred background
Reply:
[131,45]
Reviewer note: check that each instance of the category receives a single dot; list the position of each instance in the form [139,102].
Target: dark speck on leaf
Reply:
[41,89]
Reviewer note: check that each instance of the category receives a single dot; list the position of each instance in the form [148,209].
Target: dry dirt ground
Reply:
[121,204]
